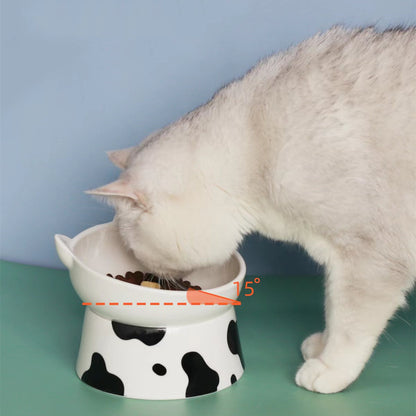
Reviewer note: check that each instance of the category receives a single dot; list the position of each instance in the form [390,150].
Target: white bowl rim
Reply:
[73,241]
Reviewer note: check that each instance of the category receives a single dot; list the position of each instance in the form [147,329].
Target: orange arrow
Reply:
[199,297]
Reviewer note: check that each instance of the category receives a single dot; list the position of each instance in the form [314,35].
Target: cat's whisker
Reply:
[404,320]
[389,337]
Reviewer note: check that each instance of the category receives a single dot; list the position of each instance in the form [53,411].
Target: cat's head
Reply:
[166,215]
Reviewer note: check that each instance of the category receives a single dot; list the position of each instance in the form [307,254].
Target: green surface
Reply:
[41,319]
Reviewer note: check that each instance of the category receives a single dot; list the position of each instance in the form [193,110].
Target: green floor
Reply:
[41,319]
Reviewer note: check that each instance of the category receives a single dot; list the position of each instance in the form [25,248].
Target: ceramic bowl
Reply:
[148,343]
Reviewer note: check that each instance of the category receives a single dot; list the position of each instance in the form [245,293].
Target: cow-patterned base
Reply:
[160,363]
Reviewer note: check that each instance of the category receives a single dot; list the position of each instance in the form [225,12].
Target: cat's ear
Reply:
[120,157]
[121,188]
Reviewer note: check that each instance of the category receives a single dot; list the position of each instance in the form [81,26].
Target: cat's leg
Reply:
[360,299]
[313,345]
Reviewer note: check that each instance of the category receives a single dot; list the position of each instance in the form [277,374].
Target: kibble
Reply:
[150,284]
[153,281]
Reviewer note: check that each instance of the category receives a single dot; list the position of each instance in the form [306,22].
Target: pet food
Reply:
[151,280]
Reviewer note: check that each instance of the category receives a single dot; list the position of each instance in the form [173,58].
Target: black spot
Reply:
[233,340]
[159,369]
[202,379]
[148,335]
[97,376]
[233,379]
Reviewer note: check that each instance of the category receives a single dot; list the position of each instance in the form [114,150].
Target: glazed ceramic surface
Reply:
[149,343]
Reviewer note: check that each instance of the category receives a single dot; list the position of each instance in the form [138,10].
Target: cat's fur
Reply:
[317,146]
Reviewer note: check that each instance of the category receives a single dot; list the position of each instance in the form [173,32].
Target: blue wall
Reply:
[82,77]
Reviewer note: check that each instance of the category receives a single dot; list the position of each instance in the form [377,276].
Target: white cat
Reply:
[317,146]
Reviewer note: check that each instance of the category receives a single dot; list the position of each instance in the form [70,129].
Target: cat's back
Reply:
[360,72]
[360,78]
[365,67]
[361,88]
[345,100]
[351,67]
[366,80]
[353,51]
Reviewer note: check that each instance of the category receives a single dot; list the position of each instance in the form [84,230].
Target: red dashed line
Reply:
[154,303]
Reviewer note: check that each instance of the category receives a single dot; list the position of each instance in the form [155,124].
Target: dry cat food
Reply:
[151,280]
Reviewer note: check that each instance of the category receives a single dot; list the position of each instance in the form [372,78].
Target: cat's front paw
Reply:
[315,375]
[312,346]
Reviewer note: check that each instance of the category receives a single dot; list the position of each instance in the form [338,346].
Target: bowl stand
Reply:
[172,362]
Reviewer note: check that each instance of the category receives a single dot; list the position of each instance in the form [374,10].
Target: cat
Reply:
[316,145]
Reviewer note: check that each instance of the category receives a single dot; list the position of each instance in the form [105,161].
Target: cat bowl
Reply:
[147,343]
